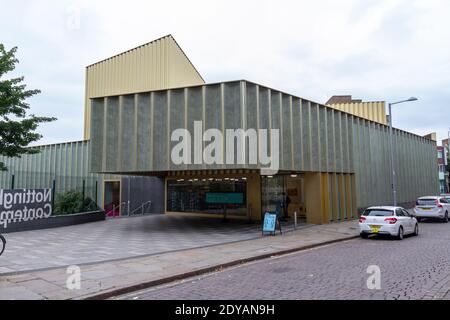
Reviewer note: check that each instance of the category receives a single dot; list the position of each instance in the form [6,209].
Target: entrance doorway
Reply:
[295,193]
[282,192]
[111,198]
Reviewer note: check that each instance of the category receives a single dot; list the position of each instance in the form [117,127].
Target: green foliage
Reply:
[17,129]
[71,202]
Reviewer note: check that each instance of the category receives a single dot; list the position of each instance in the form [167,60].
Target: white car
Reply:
[432,207]
[393,221]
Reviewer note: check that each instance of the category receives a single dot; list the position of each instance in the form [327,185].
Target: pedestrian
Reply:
[288,202]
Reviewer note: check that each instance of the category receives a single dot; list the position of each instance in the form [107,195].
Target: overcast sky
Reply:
[372,49]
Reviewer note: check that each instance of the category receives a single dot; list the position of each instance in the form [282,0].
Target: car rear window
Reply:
[378,213]
[426,202]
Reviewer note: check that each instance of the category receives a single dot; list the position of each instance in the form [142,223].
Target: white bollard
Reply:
[295,220]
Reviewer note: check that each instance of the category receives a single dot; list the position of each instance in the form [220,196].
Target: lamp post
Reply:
[391,142]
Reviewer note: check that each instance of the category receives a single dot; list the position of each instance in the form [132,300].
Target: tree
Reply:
[17,129]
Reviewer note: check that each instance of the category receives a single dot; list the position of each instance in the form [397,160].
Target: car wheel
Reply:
[400,233]
[446,218]
[364,235]
[419,219]
[416,230]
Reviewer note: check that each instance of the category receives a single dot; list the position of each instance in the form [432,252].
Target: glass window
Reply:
[272,193]
[427,202]
[378,213]
[399,213]
[190,195]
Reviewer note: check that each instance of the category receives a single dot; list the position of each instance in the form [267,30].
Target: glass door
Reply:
[111,198]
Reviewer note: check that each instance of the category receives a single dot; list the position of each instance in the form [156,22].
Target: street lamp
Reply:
[391,142]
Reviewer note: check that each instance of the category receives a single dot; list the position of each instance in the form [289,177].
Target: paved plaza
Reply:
[119,239]
[108,279]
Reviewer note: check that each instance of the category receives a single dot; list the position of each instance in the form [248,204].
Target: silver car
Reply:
[432,208]
[393,221]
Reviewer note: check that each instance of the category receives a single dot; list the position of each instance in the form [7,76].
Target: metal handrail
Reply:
[119,206]
[142,207]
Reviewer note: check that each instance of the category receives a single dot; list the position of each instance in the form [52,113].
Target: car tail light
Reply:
[438,204]
[391,220]
[362,219]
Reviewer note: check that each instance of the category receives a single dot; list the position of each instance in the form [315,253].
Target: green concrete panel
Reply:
[213,106]
[306,135]
[160,131]
[264,110]
[330,141]
[338,141]
[296,134]
[286,132]
[127,143]
[144,133]
[233,110]
[323,124]
[251,111]
[194,113]
[275,114]
[177,119]
[111,139]
[315,138]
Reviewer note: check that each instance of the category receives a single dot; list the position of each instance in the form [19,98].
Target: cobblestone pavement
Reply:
[415,268]
[118,239]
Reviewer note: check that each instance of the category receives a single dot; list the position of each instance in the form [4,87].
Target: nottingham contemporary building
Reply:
[333,160]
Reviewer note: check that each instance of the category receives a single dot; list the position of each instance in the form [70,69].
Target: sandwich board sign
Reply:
[270,223]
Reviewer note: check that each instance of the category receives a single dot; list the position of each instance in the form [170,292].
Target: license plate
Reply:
[426,209]
[375,229]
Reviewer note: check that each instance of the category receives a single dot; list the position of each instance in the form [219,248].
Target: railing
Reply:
[141,208]
[114,209]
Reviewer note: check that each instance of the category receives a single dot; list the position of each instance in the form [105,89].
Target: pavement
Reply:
[115,239]
[105,279]
[417,268]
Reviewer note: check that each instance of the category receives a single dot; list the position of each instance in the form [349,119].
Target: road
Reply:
[415,268]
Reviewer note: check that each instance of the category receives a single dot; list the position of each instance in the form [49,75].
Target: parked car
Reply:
[392,221]
[433,208]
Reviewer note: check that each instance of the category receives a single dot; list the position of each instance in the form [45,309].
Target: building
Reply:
[445,145]
[370,110]
[159,64]
[332,160]
[442,164]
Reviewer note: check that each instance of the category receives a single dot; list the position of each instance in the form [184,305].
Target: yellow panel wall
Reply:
[374,111]
[160,64]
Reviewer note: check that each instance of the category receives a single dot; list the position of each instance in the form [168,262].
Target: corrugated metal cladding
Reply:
[375,111]
[131,134]
[66,163]
[160,64]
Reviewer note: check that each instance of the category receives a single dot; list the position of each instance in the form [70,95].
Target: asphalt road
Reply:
[415,268]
